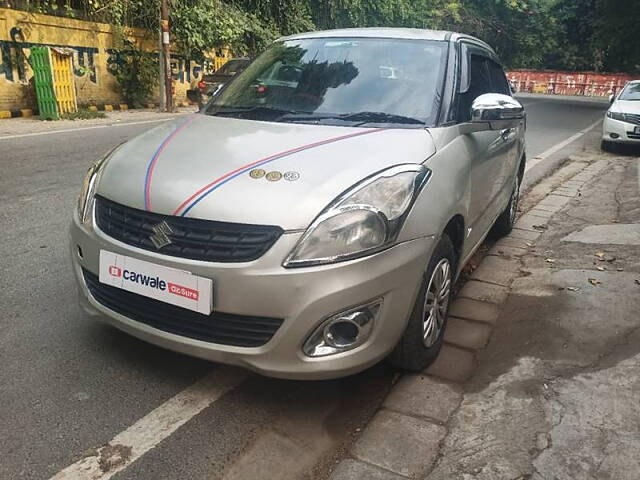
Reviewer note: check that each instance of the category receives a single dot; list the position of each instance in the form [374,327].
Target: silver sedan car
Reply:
[311,220]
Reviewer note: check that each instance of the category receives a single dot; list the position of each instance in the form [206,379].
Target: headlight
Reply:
[88,190]
[364,220]
[616,115]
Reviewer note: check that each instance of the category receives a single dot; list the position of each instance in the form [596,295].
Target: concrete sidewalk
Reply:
[31,125]
[540,374]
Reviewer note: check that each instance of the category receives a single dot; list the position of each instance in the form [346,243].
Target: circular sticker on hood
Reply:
[274,176]
[257,173]
[291,176]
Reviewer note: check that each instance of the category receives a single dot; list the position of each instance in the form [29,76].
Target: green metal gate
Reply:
[40,61]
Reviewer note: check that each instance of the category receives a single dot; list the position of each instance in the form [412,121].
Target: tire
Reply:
[416,350]
[507,219]
[607,146]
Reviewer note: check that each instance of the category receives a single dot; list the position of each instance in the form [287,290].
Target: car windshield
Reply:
[340,81]
[631,92]
[231,67]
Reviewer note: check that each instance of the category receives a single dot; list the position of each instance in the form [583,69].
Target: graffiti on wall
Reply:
[14,55]
[13,58]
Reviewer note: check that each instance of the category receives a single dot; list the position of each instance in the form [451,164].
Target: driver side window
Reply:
[479,84]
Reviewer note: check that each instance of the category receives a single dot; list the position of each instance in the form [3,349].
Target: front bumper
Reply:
[303,297]
[623,130]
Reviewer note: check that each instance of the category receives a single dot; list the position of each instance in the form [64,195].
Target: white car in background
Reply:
[622,123]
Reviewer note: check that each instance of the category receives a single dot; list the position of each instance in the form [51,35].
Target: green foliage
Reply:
[136,73]
[82,114]
[559,34]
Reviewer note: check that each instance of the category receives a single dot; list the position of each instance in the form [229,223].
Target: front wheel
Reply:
[422,340]
[607,146]
[507,219]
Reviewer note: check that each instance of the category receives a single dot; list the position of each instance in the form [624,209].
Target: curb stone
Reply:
[22,112]
[28,112]
[403,439]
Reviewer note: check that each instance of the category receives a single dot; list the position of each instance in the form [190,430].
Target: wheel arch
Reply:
[454,229]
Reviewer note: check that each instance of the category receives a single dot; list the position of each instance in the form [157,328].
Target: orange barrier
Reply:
[568,83]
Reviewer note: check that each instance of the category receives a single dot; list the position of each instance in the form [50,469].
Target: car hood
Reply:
[201,167]
[627,106]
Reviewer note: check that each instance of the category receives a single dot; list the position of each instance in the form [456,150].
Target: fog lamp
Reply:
[344,331]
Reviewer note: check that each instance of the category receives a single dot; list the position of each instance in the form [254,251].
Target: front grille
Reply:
[191,238]
[633,136]
[631,118]
[222,328]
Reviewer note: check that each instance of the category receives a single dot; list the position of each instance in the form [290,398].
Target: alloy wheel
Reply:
[436,302]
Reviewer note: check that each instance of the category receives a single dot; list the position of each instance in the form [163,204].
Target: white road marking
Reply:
[129,445]
[68,130]
[559,146]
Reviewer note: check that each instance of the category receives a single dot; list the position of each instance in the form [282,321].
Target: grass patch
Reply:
[82,114]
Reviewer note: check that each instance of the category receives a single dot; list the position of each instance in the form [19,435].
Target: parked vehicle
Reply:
[312,220]
[622,122]
[211,82]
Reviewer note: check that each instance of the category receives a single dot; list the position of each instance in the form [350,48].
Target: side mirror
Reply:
[612,97]
[497,110]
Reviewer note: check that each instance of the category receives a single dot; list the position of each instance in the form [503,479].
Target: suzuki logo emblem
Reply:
[160,237]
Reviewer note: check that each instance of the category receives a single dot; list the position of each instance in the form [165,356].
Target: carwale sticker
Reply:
[168,285]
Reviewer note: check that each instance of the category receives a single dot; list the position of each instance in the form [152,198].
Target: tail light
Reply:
[201,85]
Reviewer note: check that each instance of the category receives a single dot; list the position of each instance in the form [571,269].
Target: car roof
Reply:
[400,33]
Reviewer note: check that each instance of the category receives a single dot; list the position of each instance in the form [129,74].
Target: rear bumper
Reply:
[623,130]
[303,297]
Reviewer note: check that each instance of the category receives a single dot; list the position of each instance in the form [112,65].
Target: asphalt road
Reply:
[68,385]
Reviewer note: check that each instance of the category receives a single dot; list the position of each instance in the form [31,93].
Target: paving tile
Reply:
[350,469]
[423,396]
[573,183]
[583,177]
[554,200]
[529,222]
[453,364]
[565,192]
[548,208]
[525,234]
[498,270]
[514,242]
[475,310]
[467,334]
[507,252]
[399,443]
[540,213]
[484,292]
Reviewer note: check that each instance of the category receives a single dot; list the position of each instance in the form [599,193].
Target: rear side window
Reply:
[498,78]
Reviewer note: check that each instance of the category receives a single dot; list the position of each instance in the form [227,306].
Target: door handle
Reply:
[506,134]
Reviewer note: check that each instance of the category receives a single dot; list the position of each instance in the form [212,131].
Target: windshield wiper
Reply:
[260,109]
[380,117]
[360,117]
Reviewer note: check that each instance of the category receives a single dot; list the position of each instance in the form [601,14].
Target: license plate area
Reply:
[169,285]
